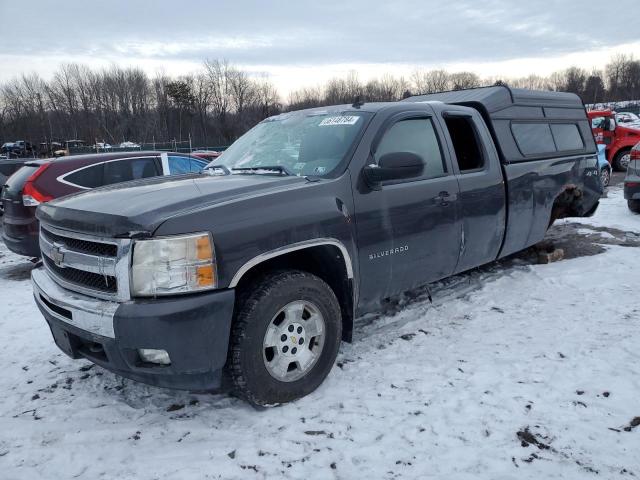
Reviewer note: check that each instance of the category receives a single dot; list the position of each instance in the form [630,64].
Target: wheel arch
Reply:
[327,258]
[622,150]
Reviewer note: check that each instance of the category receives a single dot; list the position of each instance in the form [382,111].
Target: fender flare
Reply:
[316,242]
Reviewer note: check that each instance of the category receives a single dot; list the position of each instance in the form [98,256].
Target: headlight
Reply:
[170,265]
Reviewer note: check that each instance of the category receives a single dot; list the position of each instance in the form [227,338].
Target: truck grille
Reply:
[90,265]
[84,246]
[95,281]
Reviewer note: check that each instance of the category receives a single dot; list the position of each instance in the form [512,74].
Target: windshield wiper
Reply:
[279,168]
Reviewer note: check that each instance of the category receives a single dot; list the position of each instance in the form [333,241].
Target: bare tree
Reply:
[219,102]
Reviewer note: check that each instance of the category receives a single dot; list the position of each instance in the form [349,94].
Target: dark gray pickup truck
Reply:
[255,271]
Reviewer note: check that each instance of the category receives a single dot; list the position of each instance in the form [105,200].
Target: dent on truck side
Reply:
[536,188]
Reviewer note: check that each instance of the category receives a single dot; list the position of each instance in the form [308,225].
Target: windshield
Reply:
[299,143]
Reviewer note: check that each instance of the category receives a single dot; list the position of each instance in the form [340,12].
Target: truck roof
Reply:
[500,97]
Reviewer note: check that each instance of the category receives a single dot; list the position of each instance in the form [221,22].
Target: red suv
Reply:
[42,180]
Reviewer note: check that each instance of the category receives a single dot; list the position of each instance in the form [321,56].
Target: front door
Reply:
[408,228]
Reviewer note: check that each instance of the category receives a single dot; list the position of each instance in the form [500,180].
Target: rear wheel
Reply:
[634,205]
[621,160]
[285,338]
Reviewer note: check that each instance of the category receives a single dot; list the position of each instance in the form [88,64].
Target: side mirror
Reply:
[393,166]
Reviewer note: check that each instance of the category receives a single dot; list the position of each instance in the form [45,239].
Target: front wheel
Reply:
[634,205]
[621,160]
[285,338]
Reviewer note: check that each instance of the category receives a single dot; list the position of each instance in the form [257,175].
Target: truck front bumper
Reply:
[193,330]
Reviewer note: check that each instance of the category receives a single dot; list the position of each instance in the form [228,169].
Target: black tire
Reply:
[254,313]
[634,205]
[618,158]
[605,176]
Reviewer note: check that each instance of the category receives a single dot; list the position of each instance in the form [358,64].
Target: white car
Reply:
[101,146]
[628,119]
[129,145]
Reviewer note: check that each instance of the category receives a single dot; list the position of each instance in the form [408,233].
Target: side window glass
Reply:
[567,137]
[89,177]
[129,169]
[179,165]
[533,138]
[143,168]
[197,165]
[416,135]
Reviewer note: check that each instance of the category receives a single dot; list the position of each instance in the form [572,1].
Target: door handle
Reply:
[443,198]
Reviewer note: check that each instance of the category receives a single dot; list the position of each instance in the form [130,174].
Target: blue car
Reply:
[604,166]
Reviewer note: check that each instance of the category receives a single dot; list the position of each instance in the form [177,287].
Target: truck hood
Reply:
[138,208]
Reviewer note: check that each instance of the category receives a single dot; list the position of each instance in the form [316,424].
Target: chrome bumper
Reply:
[87,313]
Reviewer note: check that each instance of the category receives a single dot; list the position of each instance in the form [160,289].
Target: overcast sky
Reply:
[303,43]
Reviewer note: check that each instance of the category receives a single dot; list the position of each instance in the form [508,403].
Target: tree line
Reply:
[219,102]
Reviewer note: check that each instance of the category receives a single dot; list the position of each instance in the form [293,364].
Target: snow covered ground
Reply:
[517,370]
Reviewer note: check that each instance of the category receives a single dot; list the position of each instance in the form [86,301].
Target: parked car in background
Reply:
[101,146]
[17,149]
[47,149]
[10,150]
[632,181]
[618,139]
[9,166]
[628,119]
[604,166]
[129,145]
[206,154]
[68,145]
[40,181]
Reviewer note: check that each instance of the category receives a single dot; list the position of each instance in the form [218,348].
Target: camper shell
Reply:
[526,124]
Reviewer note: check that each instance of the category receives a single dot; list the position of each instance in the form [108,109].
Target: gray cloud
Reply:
[310,32]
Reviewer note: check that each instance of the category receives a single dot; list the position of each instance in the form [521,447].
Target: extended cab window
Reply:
[181,165]
[415,135]
[129,169]
[465,143]
[88,177]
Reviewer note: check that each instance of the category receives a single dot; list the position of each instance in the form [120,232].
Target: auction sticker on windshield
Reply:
[341,120]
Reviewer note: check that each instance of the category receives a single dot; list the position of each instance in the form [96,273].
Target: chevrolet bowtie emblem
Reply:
[57,254]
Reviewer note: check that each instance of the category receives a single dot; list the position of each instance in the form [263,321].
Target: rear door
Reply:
[482,202]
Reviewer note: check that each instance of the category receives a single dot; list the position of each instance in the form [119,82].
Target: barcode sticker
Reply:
[341,120]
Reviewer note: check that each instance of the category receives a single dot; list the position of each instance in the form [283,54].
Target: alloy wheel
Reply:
[293,341]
